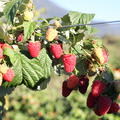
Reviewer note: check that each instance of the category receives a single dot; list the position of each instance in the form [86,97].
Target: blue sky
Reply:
[104,9]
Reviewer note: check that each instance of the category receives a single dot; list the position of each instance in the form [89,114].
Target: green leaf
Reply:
[108,75]
[1,14]
[32,72]
[29,28]
[10,53]
[77,50]
[37,70]
[11,9]
[75,38]
[81,66]
[88,44]
[80,18]
[66,20]
[4,91]
[77,18]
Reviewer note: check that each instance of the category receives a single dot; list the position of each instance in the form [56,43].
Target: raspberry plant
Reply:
[31,48]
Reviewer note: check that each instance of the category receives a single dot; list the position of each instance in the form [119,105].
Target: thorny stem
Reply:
[86,52]
[76,51]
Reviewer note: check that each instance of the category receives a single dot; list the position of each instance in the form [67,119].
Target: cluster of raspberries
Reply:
[69,60]
[6,73]
[99,103]
[73,83]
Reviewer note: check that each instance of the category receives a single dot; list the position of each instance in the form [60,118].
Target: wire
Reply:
[96,23]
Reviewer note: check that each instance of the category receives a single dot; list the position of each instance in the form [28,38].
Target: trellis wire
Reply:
[96,23]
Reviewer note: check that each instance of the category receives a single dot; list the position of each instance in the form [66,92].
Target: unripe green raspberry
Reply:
[28,15]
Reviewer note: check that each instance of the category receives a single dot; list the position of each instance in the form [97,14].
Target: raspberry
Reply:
[20,38]
[69,61]
[1,53]
[56,50]
[114,108]
[28,15]
[101,55]
[51,34]
[65,90]
[57,24]
[83,84]
[91,101]
[34,48]
[98,87]
[9,75]
[103,105]
[73,81]
[5,45]
[3,68]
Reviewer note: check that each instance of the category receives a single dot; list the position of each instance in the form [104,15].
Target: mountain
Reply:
[108,29]
[52,9]
[55,10]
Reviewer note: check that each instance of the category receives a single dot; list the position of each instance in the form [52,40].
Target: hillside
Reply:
[51,8]
[54,10]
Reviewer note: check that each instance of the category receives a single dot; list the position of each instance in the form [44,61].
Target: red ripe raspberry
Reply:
[83,84]
[73,81]
[98,87]
[69,61]
[5,45]
[1,53]
[34,48]
[9,75]
[56,50]
[114,108]
[91,101]
[103,105]
[65,90]
[20,38]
